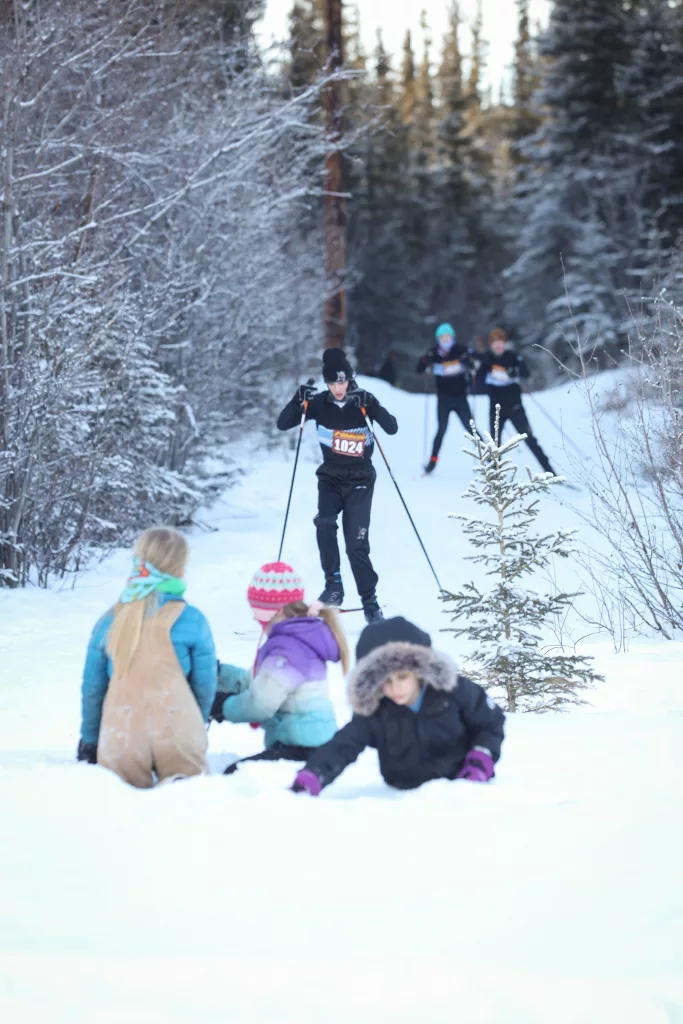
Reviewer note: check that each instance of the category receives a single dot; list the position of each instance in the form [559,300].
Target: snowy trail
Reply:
[553,895]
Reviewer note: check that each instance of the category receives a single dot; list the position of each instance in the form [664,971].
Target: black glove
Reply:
[364,400]
[520,369]
[305,393]
[216,713]
[87,752]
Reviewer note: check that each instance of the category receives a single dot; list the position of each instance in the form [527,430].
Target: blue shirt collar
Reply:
[418,703]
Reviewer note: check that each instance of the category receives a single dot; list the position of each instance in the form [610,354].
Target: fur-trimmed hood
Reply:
[365,682]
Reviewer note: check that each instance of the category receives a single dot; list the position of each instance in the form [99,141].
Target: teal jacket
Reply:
[193,643]
[304,718]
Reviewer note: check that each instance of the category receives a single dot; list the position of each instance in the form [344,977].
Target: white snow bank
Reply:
[552,896]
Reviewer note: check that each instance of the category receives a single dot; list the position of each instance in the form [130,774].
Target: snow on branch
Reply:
[155,230]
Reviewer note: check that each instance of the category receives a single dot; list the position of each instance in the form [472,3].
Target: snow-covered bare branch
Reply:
[161,278]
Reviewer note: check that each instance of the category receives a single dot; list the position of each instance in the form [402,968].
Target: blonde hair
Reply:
[300,610]
[167,550]
[497,334]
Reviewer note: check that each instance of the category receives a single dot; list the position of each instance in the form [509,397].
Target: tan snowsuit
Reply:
[151,721]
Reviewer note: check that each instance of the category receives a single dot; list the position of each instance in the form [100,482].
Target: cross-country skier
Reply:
[346,478]
[424,719]
[450,363]
[500,371]
[287,692]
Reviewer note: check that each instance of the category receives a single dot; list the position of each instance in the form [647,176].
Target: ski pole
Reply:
[565,437]
[398,489]
[425,435]
[296,462]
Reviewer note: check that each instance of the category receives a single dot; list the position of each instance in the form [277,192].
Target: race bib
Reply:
[453,368]
[499,375]
[348,442]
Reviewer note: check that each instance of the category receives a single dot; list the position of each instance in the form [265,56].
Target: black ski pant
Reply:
[348,493]
[447,404]
[278,752]
[517,416]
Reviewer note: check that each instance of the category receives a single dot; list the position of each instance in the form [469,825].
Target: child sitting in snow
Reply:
[424,719]
[150,673]
[288,692]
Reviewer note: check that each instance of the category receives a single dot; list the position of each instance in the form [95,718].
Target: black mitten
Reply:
[87,752]
[216,713]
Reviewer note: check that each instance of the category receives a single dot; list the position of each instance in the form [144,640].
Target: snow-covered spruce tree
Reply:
[576,184]
[504,624]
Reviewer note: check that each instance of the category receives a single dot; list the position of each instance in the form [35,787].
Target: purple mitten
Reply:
[477,767]
[307,782]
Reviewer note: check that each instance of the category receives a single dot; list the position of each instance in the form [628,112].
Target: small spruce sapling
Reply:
[504,624]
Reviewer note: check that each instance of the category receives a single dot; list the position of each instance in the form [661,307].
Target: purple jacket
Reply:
[306,644]
[288,693]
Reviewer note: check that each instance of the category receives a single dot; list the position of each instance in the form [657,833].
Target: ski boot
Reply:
[431,465]
[372,610]
[333,594]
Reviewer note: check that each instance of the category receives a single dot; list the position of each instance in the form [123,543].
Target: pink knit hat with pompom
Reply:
[273,586]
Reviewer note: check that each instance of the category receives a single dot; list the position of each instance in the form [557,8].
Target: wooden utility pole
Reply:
[334,213]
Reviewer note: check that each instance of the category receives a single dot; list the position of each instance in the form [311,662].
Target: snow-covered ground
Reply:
[552,896]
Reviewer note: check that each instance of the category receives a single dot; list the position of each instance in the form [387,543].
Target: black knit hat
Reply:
[336,367]
[389,631]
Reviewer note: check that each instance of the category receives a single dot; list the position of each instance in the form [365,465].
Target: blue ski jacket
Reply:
[194,646]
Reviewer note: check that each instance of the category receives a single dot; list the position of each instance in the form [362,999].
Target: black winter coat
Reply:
[456,716]
[500,376]
[345,440]
[451,370]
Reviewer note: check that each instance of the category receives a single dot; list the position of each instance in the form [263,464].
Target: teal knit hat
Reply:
[444,329]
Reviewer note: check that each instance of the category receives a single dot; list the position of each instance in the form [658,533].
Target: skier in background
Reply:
[346,478]
[500,372]
[451,364]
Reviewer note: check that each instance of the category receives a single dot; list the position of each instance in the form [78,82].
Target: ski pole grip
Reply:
[310,383]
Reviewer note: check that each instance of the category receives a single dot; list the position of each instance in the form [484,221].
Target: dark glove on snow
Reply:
[216,713]
[87,752]
[305,393]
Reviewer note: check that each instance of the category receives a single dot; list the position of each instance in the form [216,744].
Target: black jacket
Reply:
[499,376]
[456,716]
[451,370]
[343,434]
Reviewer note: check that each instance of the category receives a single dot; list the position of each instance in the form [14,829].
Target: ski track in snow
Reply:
[552,896]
